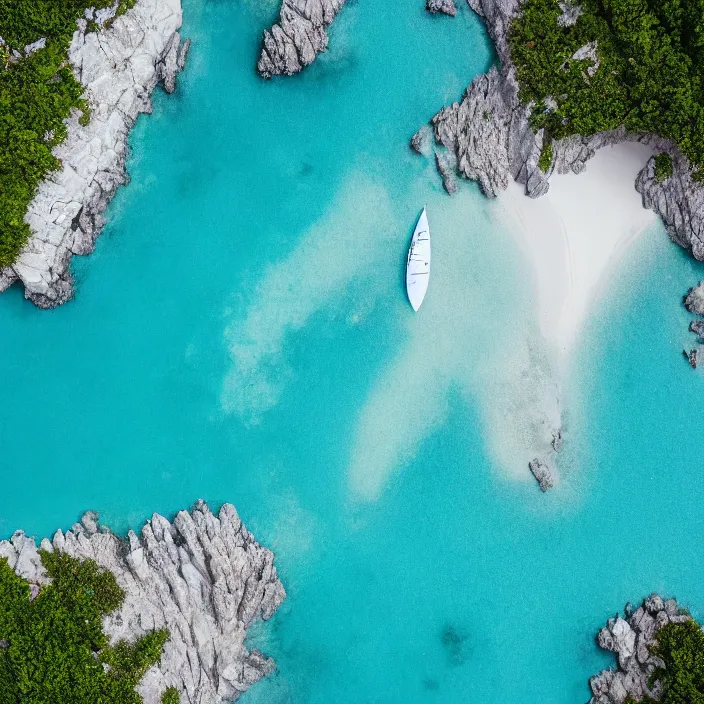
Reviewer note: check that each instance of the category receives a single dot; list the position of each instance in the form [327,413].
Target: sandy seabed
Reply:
[576,234]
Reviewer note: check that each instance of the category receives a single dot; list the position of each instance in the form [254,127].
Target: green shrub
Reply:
[650,76]
[663,167]
[545,159]
[681,648]
[170,696]
[36,94]
[56,650]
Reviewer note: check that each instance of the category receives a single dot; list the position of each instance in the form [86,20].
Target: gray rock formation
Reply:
[542,473]
[119,66]
[630,640]
[204,577]
[444,6]
[298,38]
[490,137]
[694,300]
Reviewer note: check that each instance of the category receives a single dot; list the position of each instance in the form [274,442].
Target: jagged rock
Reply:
[631,642]
[298,37]
[588,52]
[570,14]
[694,300]
[542,474]
[119,67]
[697,327]
[445,6]
[691,357]
[557,440]
[203,577]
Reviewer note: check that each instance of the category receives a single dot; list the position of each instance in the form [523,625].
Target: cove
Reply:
[241,334]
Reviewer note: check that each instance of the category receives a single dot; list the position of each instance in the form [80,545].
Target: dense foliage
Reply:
[170,696]
[53,646]
[650,75]
[681,648]
[663,167]
[545,159]
[36,95]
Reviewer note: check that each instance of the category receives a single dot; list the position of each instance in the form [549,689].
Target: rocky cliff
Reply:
[486,137]
[298,37]
[630,639]
[203,577]
[119,66]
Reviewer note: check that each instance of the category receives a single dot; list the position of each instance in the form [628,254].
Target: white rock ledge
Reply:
[205,578]
[119,66]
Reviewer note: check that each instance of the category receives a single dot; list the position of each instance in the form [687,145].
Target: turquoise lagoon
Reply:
[241,334]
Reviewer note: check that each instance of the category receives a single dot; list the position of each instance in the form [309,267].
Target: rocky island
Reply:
[202,579]
[118,54]
[658,651]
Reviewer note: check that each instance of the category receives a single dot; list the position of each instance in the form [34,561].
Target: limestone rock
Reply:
[631,641]
[298,38]
[119,68]
[203,577]
[694,300]
[445,6]
[542,473]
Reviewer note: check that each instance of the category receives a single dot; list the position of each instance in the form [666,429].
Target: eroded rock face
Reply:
[119,66]
[298,38]
[204,577]
[630,639]
[542,473]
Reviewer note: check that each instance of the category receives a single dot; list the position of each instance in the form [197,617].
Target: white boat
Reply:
[418,265]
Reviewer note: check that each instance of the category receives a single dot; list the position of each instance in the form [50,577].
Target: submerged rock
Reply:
[119,68]
[630,640]
[203,577]
[542,473]
[445,6]
[691,357]
[298,37]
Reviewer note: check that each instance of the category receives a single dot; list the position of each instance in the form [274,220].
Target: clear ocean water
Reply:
[241,334]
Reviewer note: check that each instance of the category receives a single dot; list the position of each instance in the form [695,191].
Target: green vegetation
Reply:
[681,647]
[663,167]
[53,646]
[545,159]
[36,94]
[170,696]
[650,76]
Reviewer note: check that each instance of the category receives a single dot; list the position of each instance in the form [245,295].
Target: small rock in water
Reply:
[697,327]
[691,357]
[694,300]
[422,141]
[542,473]
[446,6]
[557,440]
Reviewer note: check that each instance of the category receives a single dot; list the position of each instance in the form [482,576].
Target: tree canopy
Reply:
[53,649]
[650,75]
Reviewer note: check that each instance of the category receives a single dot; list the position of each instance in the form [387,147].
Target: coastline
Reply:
[119,66]
[576,233]
[203,577]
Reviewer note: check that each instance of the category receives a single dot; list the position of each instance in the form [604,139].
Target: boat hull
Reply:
[418,263]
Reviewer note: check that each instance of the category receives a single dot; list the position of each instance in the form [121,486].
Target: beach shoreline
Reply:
[576,234]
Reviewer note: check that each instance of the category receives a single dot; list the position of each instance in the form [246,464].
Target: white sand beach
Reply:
[576,234]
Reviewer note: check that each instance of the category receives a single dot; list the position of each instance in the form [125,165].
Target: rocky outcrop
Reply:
[119,67]
[542,474]
[203,577]
[298,38]
[631,639]
[446,7]
[490,139]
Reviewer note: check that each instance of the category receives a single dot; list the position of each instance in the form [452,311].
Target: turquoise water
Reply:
[241,334]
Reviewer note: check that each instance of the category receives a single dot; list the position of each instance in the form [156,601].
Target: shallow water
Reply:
[241,334]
